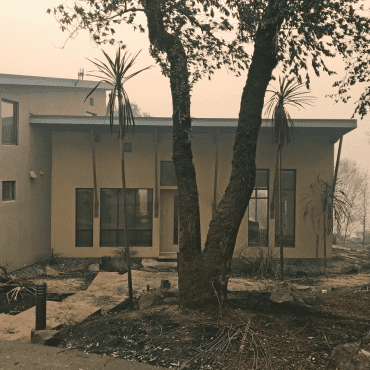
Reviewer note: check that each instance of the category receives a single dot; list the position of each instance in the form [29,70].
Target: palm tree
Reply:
[115,74]
[289,93]
[320,205]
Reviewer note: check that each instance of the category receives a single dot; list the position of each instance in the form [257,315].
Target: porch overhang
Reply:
[332,129]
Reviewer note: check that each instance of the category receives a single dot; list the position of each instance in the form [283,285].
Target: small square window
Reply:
[91,101]
[127,147]
[8,190]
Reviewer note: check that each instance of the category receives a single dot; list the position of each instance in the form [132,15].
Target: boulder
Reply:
[151,264]
[94,267]
[351,269]
[50,272]
[351,356]
[41,336]
[150,298]
[135,266]
[286,293]
[113,264]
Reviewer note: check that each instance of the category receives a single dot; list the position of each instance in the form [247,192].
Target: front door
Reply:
[169,211]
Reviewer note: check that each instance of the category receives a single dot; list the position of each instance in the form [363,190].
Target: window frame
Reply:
[255,190]
[15,121]
[13,191]
[92,217]
[117,229]
[276,211]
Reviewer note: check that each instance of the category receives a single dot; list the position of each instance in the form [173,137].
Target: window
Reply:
[168,176]
[139,217]
[127,147]
[288,188]
[91,101]
[9,113]
[8,190]
[84,217]
[258,211]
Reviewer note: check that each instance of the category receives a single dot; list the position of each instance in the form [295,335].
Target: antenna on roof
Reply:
[80,76]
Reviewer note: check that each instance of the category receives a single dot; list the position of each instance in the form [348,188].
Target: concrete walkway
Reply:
[19,355]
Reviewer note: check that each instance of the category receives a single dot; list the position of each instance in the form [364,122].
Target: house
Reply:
[61,176]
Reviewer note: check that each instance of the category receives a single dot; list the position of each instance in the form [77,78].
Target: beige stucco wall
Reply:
[72,168]
[25,222]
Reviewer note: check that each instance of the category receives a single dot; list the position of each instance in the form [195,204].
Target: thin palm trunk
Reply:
[325,233]
[281,223]
[125,233]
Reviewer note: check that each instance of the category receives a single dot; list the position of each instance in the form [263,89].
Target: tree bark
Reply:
[189,217]
[210,283]
[203,276]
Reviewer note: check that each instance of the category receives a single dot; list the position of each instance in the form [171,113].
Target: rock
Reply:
[80,266]
[350,356]
[41,336]
[51,272]
[113,264]
[149,263]
[150,298]
[94,267]
[286,292]
[165,284]
[351,269]
[135,266]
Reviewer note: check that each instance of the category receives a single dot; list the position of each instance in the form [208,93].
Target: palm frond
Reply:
[288,94]
[114,73]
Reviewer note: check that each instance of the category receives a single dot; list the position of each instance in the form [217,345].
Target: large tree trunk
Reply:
[209,279]
[203,276]
[190,241]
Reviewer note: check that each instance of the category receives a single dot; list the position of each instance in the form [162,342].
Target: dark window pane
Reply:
[108,208]
[261,179]
[287,180]
[8,190]
[288,210]
[258,211]
[108,238]
[9,113]
[168,176]
[84,238]
[139,204]
[84,217]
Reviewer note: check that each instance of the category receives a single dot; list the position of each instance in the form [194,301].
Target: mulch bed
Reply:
[251,333]
[283,337]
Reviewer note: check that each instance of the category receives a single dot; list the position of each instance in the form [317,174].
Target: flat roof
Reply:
[197,122]
[6,79]
[331,129]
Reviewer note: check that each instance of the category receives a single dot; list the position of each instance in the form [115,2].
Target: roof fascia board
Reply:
[201,122]
[6,80]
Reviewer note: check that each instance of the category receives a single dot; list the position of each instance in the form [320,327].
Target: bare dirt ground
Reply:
[251,333]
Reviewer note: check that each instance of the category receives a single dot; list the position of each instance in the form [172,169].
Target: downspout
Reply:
[215,180]
[156,203]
